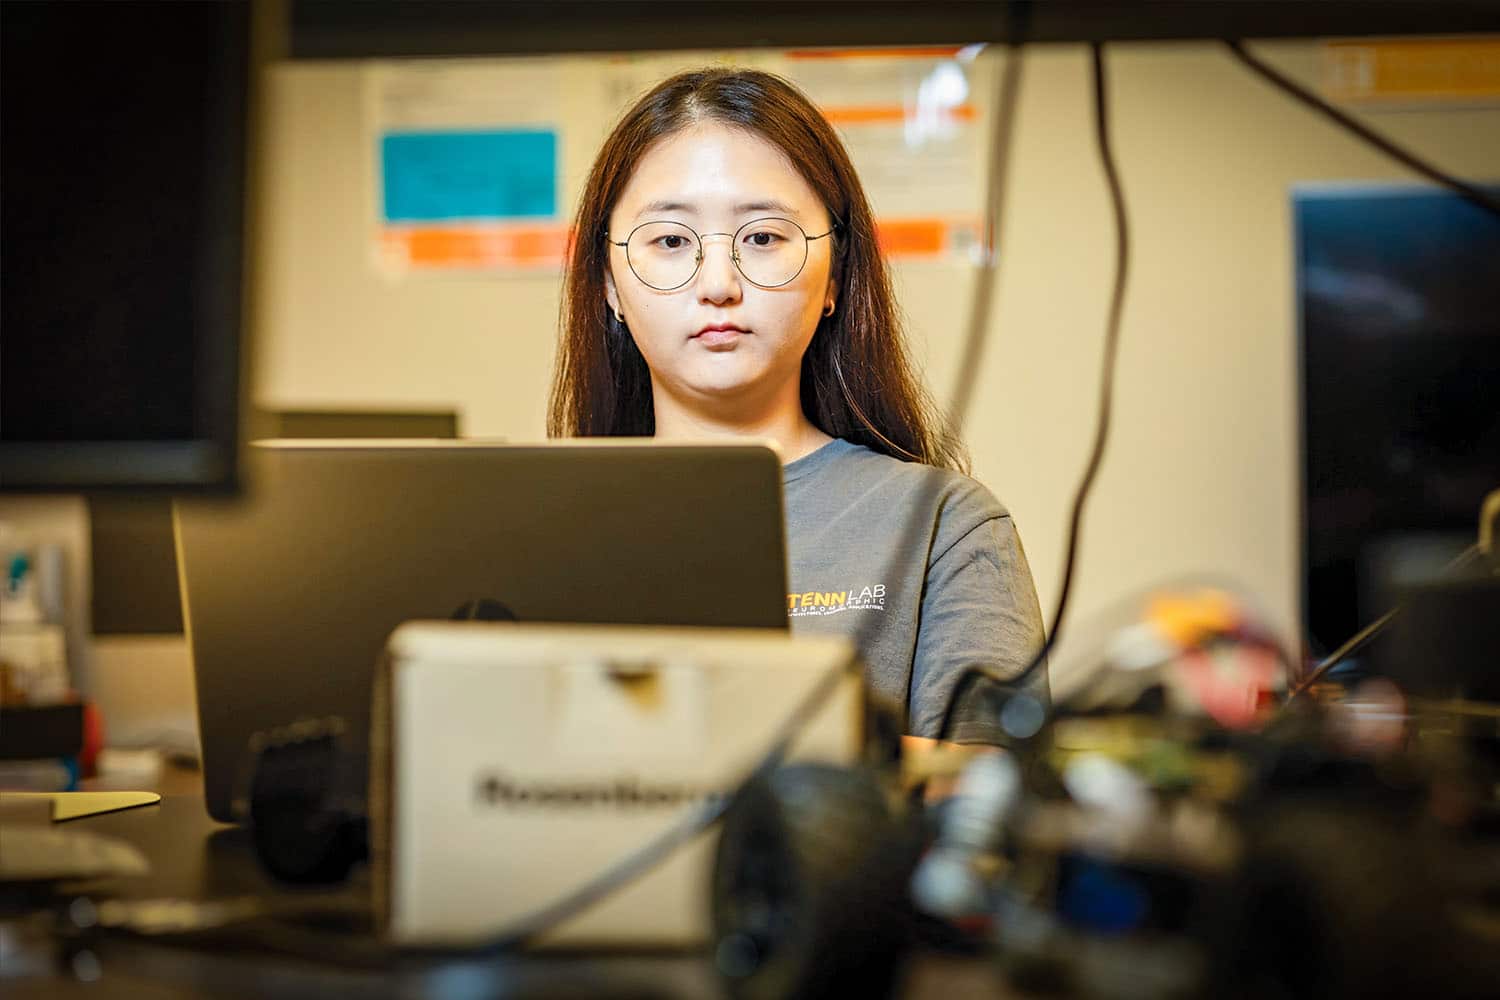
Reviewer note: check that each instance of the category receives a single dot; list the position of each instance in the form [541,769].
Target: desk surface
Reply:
[194,857]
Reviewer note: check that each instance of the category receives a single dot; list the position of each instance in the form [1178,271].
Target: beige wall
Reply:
[1201,473]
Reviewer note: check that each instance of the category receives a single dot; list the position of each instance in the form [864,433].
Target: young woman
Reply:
[725,280]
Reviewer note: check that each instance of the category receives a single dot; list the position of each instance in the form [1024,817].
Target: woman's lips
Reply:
[719,335]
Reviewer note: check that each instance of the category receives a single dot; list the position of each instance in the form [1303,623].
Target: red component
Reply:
[93,740]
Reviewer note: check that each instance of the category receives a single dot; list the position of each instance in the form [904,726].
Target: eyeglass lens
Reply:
[666,255]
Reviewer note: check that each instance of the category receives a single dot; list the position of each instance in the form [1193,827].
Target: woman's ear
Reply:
[611,294]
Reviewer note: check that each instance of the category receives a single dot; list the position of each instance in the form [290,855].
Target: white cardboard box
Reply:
[513,764]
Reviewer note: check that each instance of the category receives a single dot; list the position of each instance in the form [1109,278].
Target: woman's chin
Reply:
[723,389]
[723,377]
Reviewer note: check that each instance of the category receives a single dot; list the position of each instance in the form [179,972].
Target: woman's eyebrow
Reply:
[768,205]
[763,205]
[667,206]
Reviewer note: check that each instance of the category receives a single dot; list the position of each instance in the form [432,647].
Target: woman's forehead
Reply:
[712,169]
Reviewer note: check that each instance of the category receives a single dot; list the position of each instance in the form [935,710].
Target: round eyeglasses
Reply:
[769,252]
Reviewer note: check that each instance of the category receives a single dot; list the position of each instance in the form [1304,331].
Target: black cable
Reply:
[1006,99]
[1362,638]
[1358,641]
[975,672]
[982,306]
[1380,142]
[1002,125]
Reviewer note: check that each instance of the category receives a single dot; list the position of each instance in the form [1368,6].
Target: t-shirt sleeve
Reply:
[979,605]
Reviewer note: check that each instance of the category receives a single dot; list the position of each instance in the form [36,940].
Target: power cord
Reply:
[1362,131]
[1024,723]
[1362,638]
[982,306]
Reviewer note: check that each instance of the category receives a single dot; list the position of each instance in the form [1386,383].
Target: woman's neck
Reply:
[784,424]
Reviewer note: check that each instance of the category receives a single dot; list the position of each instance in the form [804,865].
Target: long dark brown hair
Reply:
[858,381]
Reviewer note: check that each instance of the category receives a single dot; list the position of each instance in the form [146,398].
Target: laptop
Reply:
[291,589]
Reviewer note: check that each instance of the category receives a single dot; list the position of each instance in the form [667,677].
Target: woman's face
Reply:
[720,338]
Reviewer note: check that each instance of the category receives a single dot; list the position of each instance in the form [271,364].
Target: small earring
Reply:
[828,309]
[620,318]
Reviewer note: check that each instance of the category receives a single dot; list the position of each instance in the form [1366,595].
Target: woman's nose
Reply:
[719,277]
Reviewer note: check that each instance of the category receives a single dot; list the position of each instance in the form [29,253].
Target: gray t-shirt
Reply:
[928,562]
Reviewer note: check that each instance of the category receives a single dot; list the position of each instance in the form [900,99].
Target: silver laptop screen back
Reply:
[290,591]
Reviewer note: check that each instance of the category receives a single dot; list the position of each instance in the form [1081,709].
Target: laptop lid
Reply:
[290,591]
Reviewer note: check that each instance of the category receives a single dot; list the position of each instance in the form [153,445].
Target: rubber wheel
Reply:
[810,887]
[302,823]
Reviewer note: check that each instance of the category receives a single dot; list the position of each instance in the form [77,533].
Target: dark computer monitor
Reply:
[122,188]
[361,29]
[1398,294]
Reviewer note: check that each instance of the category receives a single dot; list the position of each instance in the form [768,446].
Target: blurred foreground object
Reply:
[1174,831]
